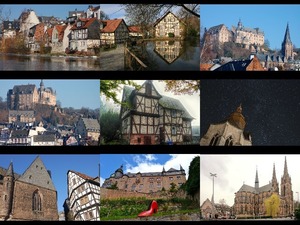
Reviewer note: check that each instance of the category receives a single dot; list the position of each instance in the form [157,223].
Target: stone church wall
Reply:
[22,205]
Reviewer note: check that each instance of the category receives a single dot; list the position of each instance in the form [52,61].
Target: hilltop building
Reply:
[30,196]
[24,97]
[249,200]
[145,182]
[229,132]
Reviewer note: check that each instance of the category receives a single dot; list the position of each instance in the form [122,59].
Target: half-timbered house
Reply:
[85,34]
[169,26]
[169,51]
[83,196]
[114,32]
[150,118]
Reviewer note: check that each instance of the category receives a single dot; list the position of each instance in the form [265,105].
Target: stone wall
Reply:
[22,204]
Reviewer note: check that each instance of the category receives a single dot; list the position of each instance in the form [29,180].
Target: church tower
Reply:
[286,190]
[274,181]
[229,132]
[287,45]
[7,193]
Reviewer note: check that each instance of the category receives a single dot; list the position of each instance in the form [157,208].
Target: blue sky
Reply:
[58,165]
[61,10]
[134,163]
[71,93]
[272,19]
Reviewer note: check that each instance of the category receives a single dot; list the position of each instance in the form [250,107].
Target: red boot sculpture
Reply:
[153,207]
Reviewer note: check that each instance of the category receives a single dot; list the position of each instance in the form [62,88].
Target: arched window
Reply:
[229,141]
[36,201]
[214,140]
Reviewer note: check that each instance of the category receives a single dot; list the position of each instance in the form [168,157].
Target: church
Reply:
[30,196]
[249,200]
[24,97]
[230,132]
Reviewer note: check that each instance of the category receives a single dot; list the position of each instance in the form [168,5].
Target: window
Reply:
[170,178]
[36,201]
[214,141]
[173,113]
[229,141]
[173,130]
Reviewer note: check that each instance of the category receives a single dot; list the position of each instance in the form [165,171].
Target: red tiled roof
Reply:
[88,22]
[111,25]
[39,31]
[60,29]
[135,29]
[205,66]
[49,31]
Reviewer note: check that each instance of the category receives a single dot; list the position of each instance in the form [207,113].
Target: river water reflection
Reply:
[173,55]
[44,63]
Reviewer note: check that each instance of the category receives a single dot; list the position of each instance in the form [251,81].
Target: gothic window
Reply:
[36,201]
[214,140]
[229,141]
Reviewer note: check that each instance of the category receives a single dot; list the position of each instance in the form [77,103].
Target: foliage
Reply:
[109,88]
[110,123]
[297,213]
[117,209]
[182,86]
[272,205]
[192,186]
[15,45]
[114,186]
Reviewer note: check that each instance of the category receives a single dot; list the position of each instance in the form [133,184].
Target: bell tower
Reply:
[287,45]
[7,193]
[286,190]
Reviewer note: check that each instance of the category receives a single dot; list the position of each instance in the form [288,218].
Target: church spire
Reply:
[287,37]
[285,172]
[274,173]
[256,180]
[274,180]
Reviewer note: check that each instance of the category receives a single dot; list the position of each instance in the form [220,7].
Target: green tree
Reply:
[272,205]
[114,186]
[192,186]
[109,88]
[110,125]
[297,213]
[182,86]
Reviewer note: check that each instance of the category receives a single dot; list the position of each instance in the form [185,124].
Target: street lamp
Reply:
[212,199]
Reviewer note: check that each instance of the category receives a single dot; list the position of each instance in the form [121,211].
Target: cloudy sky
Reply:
[234,170]
[134,163]
[190,102]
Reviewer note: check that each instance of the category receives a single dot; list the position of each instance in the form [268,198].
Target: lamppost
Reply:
[212,199]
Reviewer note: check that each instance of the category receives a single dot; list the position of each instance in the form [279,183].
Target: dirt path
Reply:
[112,60]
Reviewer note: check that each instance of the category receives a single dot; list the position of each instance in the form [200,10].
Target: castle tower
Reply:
[286,190]
[229,132]
[240,25]
[7,193]
[274,181]
[287,45]
[119,172]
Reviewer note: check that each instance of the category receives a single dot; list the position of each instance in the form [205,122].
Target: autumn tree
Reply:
[179,87]
[272,205]
[109,88]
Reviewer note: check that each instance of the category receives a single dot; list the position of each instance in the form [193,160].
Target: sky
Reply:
[135,163]
[190,102]
[235,170]
[272,19]
[271,107]
[58,165]
[62,10]
[71,93]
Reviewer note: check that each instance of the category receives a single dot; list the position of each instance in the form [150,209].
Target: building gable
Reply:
[38,175]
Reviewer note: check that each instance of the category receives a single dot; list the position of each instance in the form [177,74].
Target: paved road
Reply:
[112,60]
